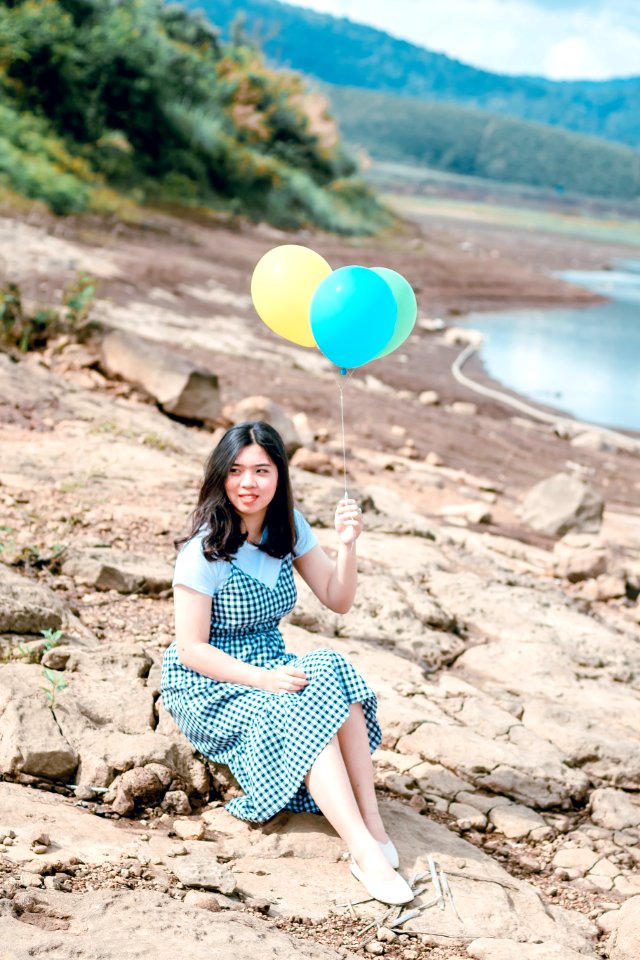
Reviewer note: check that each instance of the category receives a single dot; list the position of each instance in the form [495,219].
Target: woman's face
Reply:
[251,482]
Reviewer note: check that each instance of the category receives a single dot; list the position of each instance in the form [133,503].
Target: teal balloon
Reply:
[353,316]
[406,304]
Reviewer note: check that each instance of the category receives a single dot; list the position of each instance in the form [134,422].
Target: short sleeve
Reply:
[307,539]
[193,570]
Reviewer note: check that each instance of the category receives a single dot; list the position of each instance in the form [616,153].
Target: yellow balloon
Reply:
[282,286]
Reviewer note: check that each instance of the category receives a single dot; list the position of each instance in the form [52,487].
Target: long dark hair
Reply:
[223,536]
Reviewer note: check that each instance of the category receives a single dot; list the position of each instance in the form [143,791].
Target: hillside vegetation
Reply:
[100,100]
[341,52]
[481,144]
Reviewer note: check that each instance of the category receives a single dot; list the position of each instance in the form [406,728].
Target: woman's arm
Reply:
[334,583]
[192,618]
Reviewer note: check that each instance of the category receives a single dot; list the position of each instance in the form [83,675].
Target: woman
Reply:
[296,732]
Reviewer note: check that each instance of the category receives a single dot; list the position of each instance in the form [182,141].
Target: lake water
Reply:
[584,361]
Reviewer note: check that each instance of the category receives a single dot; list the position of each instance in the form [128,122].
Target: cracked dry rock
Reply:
[204,873]
[30,738]
[529,769]
[140,924]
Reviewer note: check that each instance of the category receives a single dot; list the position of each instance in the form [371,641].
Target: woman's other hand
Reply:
[348,521]
[285,679]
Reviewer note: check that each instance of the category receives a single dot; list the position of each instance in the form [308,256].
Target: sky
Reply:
[559,39]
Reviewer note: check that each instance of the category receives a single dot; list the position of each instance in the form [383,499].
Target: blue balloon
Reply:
[353,316]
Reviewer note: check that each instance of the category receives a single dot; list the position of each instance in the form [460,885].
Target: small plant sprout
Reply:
[56,684]
[78,300]
[51,638]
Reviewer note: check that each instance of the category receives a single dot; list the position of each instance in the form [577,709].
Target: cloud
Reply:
[563,39]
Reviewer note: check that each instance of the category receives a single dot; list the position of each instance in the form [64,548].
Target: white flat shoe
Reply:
[394,891]
[390,853]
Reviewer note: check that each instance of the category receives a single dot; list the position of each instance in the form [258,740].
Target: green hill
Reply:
[338,51]
[132,98]
[481,144]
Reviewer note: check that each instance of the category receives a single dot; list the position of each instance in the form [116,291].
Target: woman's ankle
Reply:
[371,859]
[375,826]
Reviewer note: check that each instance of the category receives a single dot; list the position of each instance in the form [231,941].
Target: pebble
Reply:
[418,802]
[180,851]
[385,935]
[375,948]
[30,880]
[189,829]
[39,848]
[40,838]
[84,793]
[202,900]
[262,905]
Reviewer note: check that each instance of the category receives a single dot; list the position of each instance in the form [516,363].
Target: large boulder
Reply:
[30,739]
[624,942]
[109,569]
[562,503]
[27,606]
[262,408]
[178,385]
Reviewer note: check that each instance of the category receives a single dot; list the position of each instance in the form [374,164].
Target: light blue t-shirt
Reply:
[193,570]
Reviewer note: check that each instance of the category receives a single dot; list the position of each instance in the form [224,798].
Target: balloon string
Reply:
[342,379]
[344,448]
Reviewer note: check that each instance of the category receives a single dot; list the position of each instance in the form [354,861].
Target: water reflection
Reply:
[584,361]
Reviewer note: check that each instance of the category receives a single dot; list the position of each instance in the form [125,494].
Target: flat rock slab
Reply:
[298,868]
[72,829]
[488,949]
[137,925]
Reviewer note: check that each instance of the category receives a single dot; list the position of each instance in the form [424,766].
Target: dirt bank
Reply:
[454,267]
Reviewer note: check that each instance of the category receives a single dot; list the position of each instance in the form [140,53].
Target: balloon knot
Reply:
[343,371]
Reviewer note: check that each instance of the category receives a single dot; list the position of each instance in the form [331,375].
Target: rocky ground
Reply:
[500,630]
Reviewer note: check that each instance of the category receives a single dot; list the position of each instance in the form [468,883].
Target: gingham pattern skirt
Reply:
[268,740]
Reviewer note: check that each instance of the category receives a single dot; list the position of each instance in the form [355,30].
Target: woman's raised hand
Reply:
[285,679]
[348,520]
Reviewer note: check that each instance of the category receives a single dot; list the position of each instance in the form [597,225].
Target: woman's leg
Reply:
[329,784]
[354,745]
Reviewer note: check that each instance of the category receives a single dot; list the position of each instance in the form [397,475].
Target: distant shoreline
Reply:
[530,407]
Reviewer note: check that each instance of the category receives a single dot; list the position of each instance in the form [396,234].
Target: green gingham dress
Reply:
[268,740]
